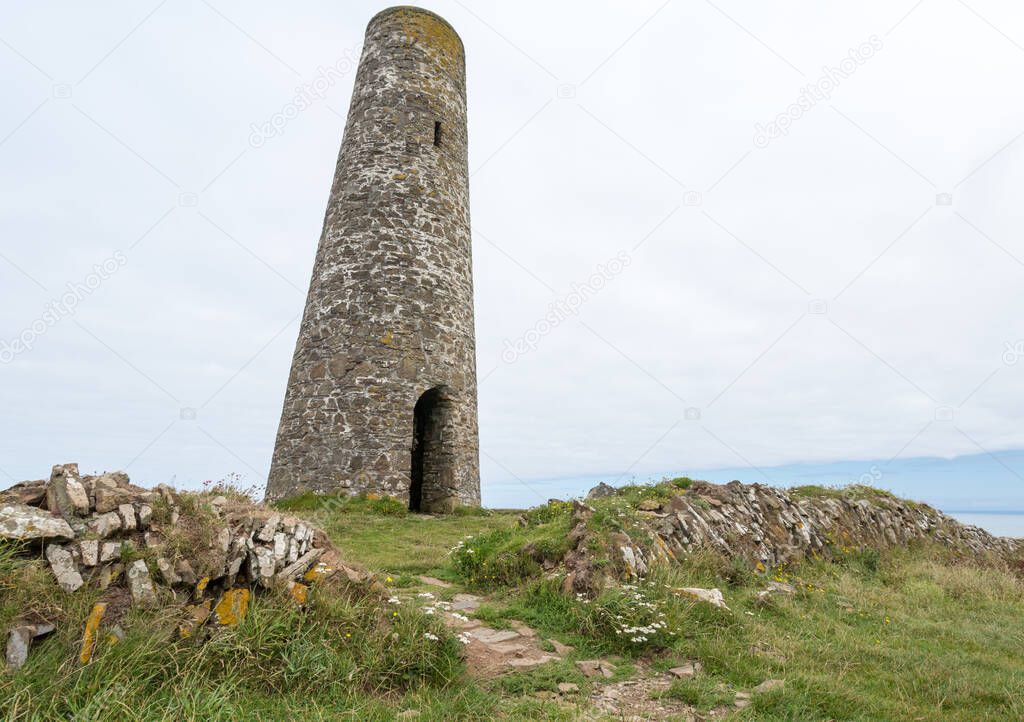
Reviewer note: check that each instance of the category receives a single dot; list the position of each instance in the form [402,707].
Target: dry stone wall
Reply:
[772,527]
[152,548]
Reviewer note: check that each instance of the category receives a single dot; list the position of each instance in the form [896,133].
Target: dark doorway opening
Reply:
[437,132]
[425,443]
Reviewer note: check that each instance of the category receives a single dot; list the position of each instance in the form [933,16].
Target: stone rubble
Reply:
[769,527]
[155,546]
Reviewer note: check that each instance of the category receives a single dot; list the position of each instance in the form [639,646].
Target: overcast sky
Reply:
[815,210]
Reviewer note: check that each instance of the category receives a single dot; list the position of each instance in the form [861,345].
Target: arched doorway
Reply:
[431,452]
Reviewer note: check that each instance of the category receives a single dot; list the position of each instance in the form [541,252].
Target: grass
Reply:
[912,634]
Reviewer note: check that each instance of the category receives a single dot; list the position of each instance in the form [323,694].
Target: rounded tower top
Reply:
[423,28]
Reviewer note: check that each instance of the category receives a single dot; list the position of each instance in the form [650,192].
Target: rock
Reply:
[110,574]
[711,596]
[742,700]
[601,490]
[19,639]
[91,632]
[560,649]
[768,685]
[185,572]
[140,585]
[465,603]
[222,542]
[65,494]
[106,524]
[197,616]
[266,534]
[27,493]
[23,523]
[781,588]
[63,566]
[688,670]
[145,515]
[167,572]
[280,547]
[127,514]
[232,607]
[568,687]
[649,505]
[262,565]
[299,592]
[17,646]
[109,551]
[596,668]
[89,550]
[291,571]
[111,491]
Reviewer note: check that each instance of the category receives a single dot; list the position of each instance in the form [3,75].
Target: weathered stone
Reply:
[232,607]
[568,687]
[769,685]
[280,547]
[21,522]
[109,551]
[18,640]
[110,574]
[687,670]
[140,585]
[65,494]
[185,572]
[262,565]
[596,668]
[465,603]
[62,563]
[91,632]
[28,493]
[713,597]
[269,528]
[601,490]
[89,550]
[106,524]
[299,592]
[127,514]
[197,616]
[111,491]
[167,572]
[291,571]
[145,515]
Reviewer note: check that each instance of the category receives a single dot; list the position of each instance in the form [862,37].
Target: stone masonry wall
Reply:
[389,313]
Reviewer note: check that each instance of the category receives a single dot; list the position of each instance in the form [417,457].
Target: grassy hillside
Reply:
[913,634]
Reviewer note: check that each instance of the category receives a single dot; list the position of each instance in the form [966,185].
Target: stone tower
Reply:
[382,392]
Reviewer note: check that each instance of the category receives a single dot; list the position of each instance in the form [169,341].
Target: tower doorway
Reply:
[431,457]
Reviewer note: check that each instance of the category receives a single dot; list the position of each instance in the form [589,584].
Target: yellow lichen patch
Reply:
[318,572]
[299,592]
[400,176]
[373,496]
[92,625]
[386,339]
[232,607]
[197,615]
[201,586]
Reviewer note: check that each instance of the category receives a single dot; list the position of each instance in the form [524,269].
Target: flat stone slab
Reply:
[494,636]
[21,522]
[465,603]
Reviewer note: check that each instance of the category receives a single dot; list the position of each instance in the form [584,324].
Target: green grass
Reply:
[913,634]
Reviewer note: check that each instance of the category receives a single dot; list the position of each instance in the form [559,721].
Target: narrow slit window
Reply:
[437,132]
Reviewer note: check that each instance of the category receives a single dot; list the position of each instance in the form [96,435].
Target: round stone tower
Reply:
[382,392]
